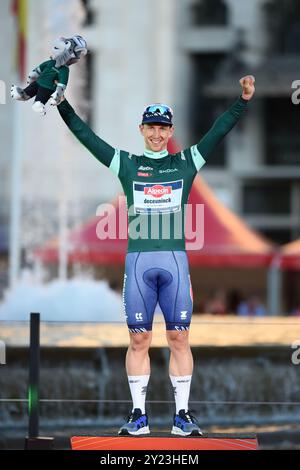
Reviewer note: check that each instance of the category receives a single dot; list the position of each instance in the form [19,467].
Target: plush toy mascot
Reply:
[49,80]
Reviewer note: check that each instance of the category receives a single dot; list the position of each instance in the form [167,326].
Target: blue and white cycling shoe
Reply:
[185,424]
[136,425]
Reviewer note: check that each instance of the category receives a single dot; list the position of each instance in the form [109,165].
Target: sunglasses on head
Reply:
[158,109]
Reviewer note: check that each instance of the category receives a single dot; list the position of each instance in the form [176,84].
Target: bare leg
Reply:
[137,357]
[138,371]
[181,370]
[181,359]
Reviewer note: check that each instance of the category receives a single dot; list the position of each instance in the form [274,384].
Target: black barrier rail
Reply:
[153,402]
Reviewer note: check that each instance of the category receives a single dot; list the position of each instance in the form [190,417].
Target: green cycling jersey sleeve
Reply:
[102,151]
[217,132]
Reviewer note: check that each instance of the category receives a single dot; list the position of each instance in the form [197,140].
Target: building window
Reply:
[208,13]
[85,90]
[279,236]
[203,110]
[282,19]
[267,198]
[89,13]
[282,139]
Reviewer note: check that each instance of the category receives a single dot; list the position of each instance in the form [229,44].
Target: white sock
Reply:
[138,388]
[181,388]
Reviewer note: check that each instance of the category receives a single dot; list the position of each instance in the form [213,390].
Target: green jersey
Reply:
[156,184]
[49,75]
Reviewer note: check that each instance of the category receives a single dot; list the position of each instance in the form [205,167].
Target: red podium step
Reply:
[209,442]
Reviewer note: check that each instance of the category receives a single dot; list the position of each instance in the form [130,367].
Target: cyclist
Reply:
[157,186]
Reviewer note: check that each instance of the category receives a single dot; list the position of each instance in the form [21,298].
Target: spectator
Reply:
[217,303]
[252,307]
[234,298]
[296,312]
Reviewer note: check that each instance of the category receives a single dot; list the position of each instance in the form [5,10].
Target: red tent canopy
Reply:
[227,240]
[290,256]
[83,244]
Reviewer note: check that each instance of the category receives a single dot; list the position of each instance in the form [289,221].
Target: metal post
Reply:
[34,375]
[33,441]
[275,287]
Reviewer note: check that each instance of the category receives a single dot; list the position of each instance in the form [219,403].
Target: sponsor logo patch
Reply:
[183,314]
[168,170]
[164,197]
[145,168]
[139,316]
[157,190]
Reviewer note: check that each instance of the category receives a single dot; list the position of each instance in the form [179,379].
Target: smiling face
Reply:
[156,136]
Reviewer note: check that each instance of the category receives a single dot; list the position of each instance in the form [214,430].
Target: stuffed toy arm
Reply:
[57,97]
[35,73]
[63,77]
[33,76]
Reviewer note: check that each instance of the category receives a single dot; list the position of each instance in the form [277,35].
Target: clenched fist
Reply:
[247,84]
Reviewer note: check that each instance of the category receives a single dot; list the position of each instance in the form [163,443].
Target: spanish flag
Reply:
[19,9]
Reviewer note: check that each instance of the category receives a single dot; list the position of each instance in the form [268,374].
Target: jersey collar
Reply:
[156,155]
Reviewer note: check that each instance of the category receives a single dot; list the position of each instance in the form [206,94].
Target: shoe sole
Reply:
[141,431]
[179,432]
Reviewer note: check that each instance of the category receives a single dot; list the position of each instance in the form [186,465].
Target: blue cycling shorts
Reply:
[157,277]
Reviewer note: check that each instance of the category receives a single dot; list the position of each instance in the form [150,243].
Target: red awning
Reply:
[83,244]
[228,241]
[290,256]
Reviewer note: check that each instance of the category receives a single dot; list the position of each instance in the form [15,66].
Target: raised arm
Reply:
[224,123]
[100,149]
[221,127]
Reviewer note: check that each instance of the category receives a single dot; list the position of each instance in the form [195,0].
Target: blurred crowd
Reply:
[222,302]
[233,302]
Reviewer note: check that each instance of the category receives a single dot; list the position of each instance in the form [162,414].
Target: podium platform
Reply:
[160,441]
